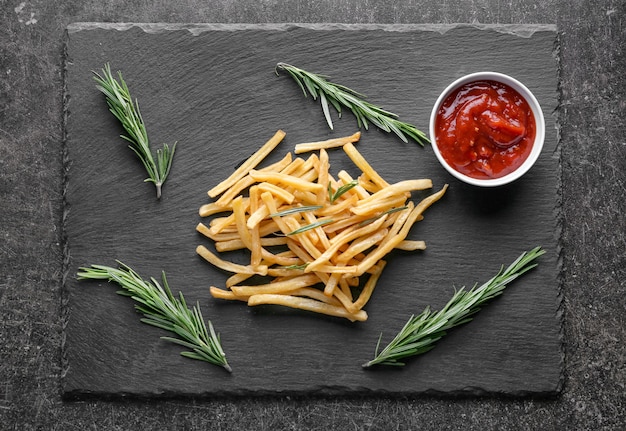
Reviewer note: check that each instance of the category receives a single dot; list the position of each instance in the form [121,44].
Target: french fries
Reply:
[318,241]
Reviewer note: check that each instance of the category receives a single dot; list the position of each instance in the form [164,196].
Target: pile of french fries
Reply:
[318,241]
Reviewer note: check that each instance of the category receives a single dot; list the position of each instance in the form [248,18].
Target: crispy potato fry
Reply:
[226,294]
[277,191]
[322,177]
[249,164]
[409,245]
[237,244]
[327,144]
[307,304]
[317,242]
[247,181]
[368,289]
[286,180]
[371,208]
[229,266]
[341,239]
[397,189]
[238,278]
[315,294]
[278,286]
[212,208]
[362,164]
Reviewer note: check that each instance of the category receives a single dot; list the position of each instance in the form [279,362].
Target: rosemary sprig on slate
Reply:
[340,96]
[127,112]
[162,310]
[420,333]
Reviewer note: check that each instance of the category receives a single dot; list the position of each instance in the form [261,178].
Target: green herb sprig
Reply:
[389,211]
[162,310]
[296,210]
[127,112]
[420,333]
[340,96]
[341,190]
[310,226]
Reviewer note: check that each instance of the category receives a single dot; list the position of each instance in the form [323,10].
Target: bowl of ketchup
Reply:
[487,129]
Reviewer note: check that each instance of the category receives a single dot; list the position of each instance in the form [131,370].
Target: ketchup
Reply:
[485,129]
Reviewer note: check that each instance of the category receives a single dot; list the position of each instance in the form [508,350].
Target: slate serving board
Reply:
[213,89]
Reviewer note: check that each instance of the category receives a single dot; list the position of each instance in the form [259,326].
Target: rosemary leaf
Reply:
[389,211]
[296,210]
[421,332]
[161,309]
[299,267]
[339,95]
[341,190]
[128,114]
[310,226]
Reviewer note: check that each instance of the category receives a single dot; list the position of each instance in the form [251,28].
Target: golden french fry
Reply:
[288,285]
[249,164]
[374,207]
[327,144]
[410,245]
[247,181]
[368,289]
[385,247]
[288,180]
[308,305]
[237,244]
[226,294]
[398,189]
[238,278]
[211,208]
[362,244]
[362,164]
[344,205]
[229,266]
[277,192]
[316,294]
[322,177]
[341,239]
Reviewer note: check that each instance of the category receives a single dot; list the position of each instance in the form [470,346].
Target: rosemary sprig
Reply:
[389,211]
[310,226]
[301,267]
[162,310]
[420,333]
[127,112]
[296,210]
[341,190]
[340,96]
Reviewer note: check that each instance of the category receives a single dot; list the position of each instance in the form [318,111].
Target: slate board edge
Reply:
[559,119]
[345,393]
[526,30]
[522,30]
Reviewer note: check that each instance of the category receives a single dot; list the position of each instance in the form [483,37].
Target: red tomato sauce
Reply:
[485,129]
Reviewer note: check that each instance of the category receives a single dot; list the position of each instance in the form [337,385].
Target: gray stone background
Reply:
[592,114]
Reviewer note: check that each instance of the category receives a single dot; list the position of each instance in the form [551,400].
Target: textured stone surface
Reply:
[213,89]
[592,118]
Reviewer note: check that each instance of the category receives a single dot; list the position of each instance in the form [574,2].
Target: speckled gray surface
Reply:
[592,149]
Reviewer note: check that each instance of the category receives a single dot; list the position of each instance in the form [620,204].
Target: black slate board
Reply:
[213,89]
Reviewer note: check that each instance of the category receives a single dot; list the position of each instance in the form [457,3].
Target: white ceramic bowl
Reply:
[532,103]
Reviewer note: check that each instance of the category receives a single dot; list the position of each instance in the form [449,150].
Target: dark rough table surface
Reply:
[592,115]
